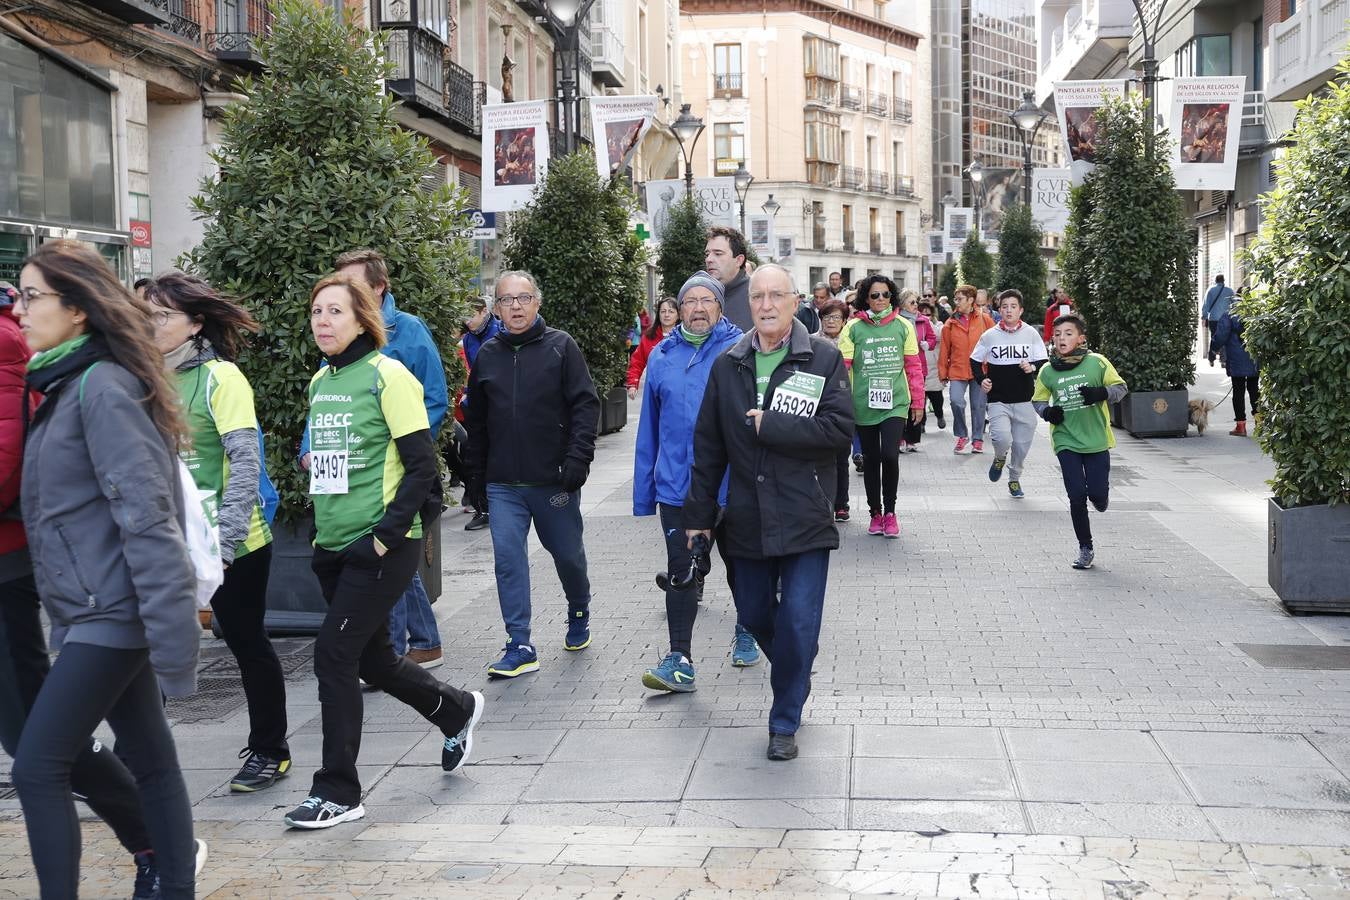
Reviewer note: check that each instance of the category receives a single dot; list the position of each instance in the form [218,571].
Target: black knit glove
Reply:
[1092,395]
[574,475]
[475,493]
[1054,415]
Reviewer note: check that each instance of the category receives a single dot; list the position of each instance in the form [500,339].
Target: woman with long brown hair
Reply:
[102,507]
[200,334]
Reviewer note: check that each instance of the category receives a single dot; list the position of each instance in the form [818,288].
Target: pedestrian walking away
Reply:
[724,259]
[960,334]
[532,419]
[776,412]
[373,482]
[932,383]
[881,352]
[927,338]
[833,315]
[1226,341]
[102,506]
[198,331]
[1072,394]
[667,317]
[1005,362]
[1217,301]
[480,327]
[676,376]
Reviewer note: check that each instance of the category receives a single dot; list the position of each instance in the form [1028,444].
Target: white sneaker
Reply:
[201,857]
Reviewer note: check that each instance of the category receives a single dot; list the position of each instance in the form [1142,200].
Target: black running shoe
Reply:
[259,772]
[455,752]
[317,812]
[147,877]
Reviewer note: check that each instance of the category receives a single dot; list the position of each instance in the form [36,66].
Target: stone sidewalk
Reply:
[984,720]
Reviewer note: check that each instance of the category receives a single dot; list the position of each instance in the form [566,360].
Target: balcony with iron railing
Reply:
[727,84]
[239,24]
[874,243]
[134,12]
[904,185]
[418,56]
[824,174]
[848,242]
[878,182]
[902,110]
[464,99]
[850,178]
[184,20]
[900,245]
[877,103]
[850,96]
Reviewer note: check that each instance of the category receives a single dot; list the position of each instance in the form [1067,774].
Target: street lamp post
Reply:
[1028,118]
[688,127]
[1150,65]
[975,172]
[771,207]
[570,14]
[743,180]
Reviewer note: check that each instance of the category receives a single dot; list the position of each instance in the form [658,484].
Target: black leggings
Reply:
[841,479]
[881,462]
[86,685]
[935,399]
[239,606]
[681,606]
[1248,383]
[1087,476]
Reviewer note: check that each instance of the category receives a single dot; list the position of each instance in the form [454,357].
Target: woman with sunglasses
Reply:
[881,350]
[198,332]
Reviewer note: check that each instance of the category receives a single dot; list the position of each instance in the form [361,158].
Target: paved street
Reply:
[984,720]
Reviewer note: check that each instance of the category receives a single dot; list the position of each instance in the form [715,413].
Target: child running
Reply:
[1071,394]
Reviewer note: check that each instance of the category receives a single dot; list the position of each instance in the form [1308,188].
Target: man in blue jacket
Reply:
[412,625]
[677,373]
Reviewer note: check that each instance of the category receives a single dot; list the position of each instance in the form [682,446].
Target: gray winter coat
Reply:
[102,507]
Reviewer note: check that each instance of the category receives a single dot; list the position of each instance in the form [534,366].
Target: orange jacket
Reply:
[958,342]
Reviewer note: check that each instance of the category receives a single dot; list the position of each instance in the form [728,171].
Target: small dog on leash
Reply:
[1198,413]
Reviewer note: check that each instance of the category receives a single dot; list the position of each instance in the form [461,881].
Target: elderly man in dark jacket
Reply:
[777,410]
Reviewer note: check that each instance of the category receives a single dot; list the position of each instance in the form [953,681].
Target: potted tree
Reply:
[1128,261]
[976,265]
[682,243]
[1020,264]
[313,163]
[576,238]
[1296,316]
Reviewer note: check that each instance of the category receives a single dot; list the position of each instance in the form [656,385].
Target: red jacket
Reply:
[14,354]
[1051,314]
[637,364]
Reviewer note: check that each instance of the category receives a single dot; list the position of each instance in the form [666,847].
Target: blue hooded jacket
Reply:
[1228,337]
[677,373]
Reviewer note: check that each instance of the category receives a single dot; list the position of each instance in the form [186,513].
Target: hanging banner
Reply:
[717,197]
[937,248]
[619,124]
[1050,199]
[1206,125]
[1076,105]
[761,234]
[515,144]
[787,245]
[957,227]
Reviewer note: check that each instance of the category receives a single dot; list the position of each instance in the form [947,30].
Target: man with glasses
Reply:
[776,411]
[532,416]
[677,373]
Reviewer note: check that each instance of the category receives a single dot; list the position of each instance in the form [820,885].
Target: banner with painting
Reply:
[1050,199]
[717,197]
[619,124]
[1076,105]
[937,248]
[515,153]
[760,237]
[1206,126]
[957,227]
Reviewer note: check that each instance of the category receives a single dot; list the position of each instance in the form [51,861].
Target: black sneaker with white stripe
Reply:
[258,772]
[455,752]
[317,812]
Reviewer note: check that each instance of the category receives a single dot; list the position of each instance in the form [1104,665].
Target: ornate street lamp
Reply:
[975,172]
[688,127]
[743,180]
[570,13]
[1028,118]
[771,207]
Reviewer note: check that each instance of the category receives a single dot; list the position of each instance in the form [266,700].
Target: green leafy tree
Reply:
[576,239]
[313,163]
[1296,315]
[1020,264]
[682,243]
[947,282]
[976,265]
[1129,256]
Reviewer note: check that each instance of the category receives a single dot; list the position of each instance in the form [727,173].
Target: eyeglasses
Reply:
[698,301]
[878,295]
[772,296]
[516,300]
[28,295]
[832,318]
[161,316]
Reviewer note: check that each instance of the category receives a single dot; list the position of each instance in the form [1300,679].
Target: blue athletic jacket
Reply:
[677,373]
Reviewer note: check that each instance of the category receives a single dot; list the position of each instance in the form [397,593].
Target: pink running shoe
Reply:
[889,526]
[960,445]
[977,446]
[876,526]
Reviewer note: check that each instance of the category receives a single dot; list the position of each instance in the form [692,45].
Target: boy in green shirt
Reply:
[1072,394]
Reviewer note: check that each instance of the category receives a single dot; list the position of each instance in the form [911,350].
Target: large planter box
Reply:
[1308,557]
[613,410]
[1153,413]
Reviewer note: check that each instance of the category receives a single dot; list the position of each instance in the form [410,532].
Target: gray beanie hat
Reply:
[703,279]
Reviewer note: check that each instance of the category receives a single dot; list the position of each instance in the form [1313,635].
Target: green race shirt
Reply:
[1086,429]
[362,408]
[877,365]
[218,399]
[765,363]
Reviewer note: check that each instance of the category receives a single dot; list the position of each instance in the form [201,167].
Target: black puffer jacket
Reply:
[531,406]
[781,497]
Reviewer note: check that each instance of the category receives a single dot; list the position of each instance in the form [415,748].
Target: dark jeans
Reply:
[87,685]
[97,776]
[881,463]
[239,607]
[1087,476]
[935,400]
[841,464]
[787,627]
[1250,384]
[360,589]
[681,606]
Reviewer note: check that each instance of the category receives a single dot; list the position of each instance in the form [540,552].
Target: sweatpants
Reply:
[1011,427]
[360,589]
[239,606]
[787,626]
[881,463]
[1087,476]
[87,685]
[1248,383]
[958,391]
[97,776]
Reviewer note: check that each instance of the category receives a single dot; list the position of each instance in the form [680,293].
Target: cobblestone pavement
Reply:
[984,720]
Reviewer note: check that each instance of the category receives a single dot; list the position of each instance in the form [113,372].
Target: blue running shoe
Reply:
[674,674]
[1015,490]
[517,660]
[578,630]
[996,467]
[745,652]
